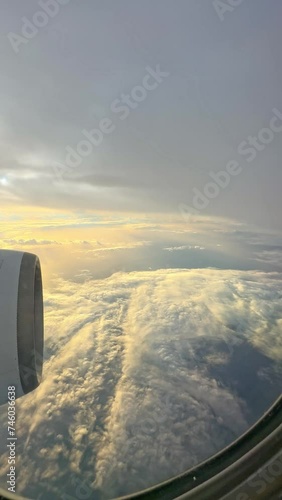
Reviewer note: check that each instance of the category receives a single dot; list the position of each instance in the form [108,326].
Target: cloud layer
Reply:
[146,375]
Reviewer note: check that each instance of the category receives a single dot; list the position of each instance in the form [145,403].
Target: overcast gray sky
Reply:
[224,81]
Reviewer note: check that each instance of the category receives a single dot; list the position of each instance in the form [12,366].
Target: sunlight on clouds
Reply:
[4,181]
[163,328]
[104,243]
[142,358]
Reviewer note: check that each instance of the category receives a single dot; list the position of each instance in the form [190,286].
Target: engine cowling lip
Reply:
[30,323]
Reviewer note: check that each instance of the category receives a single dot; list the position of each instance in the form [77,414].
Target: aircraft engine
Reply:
[21,323]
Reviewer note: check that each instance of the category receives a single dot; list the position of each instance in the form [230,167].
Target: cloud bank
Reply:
[146,375]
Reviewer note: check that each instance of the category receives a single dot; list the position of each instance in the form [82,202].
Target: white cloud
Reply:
[136,384]
[184,247]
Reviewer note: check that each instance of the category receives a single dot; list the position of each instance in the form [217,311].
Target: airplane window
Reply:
[141,164]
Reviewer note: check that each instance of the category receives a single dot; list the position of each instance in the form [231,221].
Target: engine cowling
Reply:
[21,323]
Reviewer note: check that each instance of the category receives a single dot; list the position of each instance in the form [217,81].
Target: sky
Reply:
[141,161]
[223,81]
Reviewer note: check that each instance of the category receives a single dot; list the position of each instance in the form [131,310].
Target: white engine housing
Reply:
[21,323]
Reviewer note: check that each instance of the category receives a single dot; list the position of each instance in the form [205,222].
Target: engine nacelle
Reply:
[21,323]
